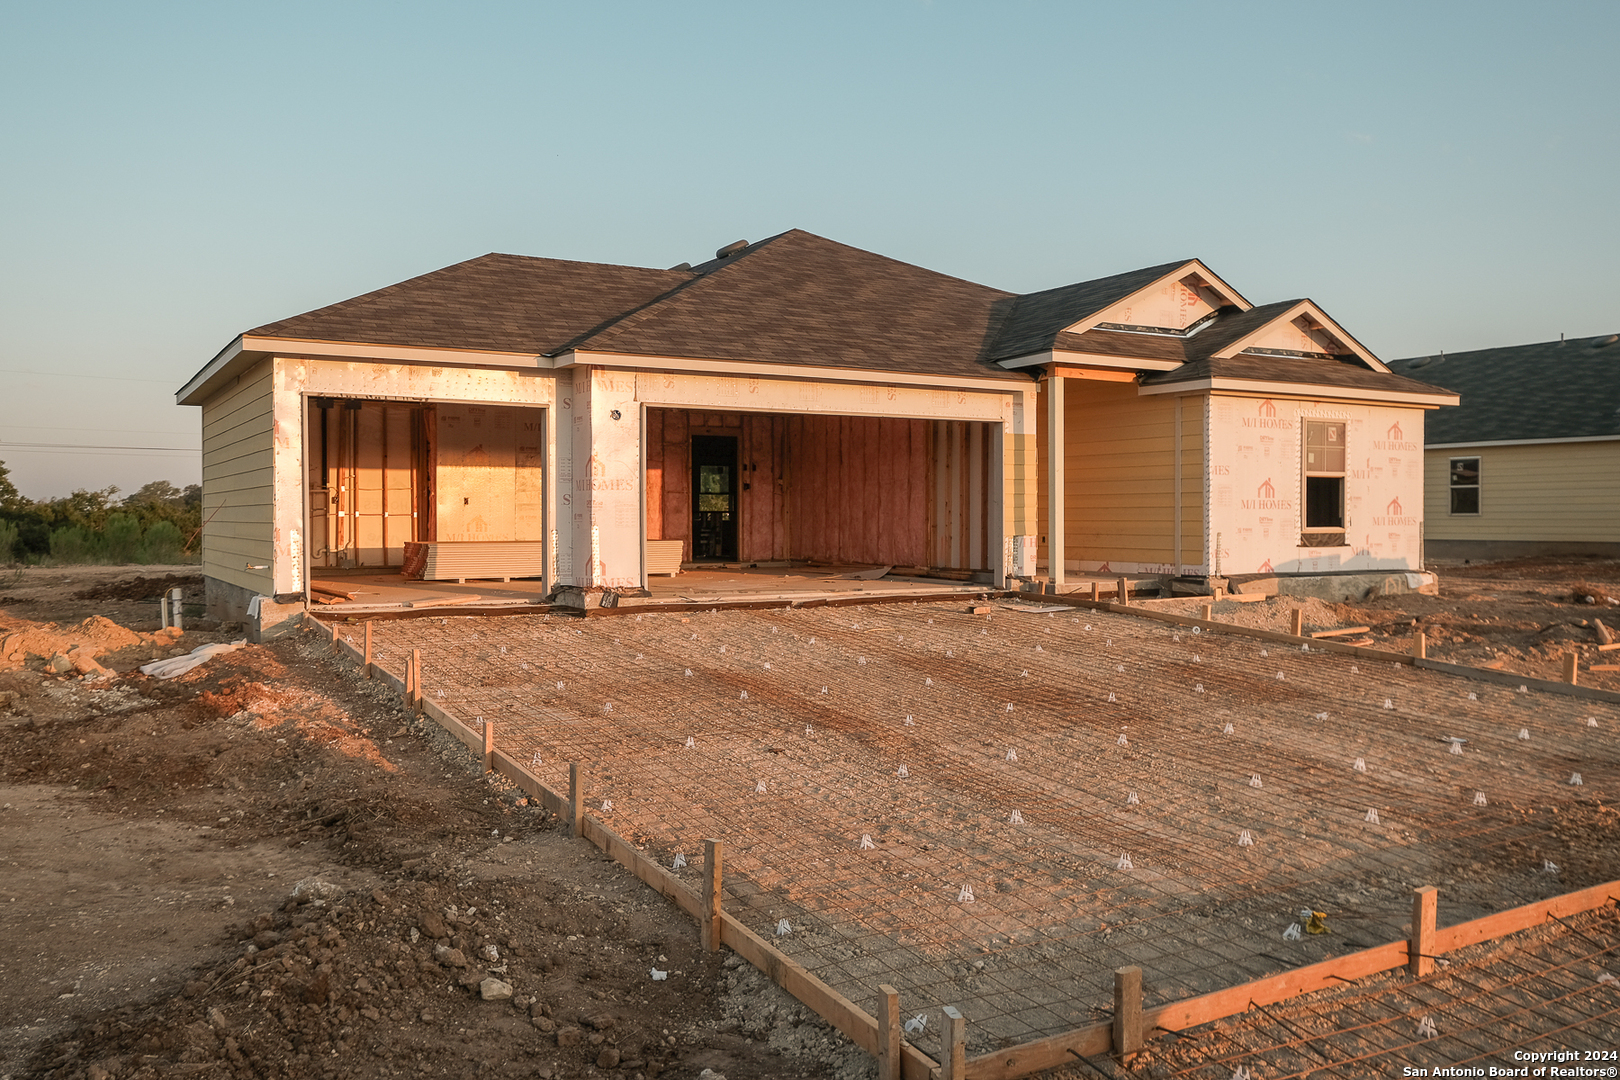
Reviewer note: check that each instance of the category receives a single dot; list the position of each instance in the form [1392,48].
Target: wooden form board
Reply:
[1037,1055]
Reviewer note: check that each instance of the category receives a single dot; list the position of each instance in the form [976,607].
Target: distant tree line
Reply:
[157,524]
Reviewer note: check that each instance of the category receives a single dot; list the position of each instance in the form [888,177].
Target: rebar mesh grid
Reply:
[1501,1004]
[802,722]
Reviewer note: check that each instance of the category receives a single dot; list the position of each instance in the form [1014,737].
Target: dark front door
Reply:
[714,497]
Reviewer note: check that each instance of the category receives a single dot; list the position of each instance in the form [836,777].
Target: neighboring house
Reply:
[801,399]
[1530,462]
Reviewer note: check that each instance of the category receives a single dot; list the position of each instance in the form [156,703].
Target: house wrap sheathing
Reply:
[798,399]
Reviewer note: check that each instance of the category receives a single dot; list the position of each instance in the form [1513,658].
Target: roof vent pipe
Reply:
[731,249]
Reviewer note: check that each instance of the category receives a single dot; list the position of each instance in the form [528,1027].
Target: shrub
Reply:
[71,545]
[120,537]
[162,543]
[8,541]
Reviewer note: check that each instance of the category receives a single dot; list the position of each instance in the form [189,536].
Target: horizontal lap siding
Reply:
[1119,491]
[1548,492]
[238,487]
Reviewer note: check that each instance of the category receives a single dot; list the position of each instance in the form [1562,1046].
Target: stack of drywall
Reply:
[472,560]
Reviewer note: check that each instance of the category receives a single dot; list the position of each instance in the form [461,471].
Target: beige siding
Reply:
[237,481]
[1546,492]
[1120,476]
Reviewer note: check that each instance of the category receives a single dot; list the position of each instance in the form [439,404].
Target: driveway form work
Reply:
[996,811]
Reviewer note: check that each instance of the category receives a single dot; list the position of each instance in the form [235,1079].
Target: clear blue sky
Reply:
[1435,175]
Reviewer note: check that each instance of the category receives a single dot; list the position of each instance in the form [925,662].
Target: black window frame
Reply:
[1454,489]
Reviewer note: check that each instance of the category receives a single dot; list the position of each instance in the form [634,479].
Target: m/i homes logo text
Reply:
[1394,439]
[1265,498]
[1265,416]
[1393,515]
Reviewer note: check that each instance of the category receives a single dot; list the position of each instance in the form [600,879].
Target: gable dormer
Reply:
[1301,330]
[1177,305]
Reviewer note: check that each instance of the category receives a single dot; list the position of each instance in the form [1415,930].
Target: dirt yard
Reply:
[263,868]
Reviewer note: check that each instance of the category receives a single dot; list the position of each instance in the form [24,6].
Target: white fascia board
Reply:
[744,368]
[405,354]
[248,349]
[214,367]
[1519,442]
[1085,359]
[1256,388]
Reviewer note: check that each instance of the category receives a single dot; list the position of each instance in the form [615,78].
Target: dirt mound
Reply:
[140,588]
[22,640]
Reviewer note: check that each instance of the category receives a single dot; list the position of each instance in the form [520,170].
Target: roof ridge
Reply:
[636,316]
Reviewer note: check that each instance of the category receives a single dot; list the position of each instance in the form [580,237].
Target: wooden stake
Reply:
[366,662]
[576,799]
[1296,623]
[489,746]
[1096,592]
[711,924]
[1420,947]
[954,1037]
[416,680]
[1124,591]
[1206,612]
[1420,646]
[410,677]
[889,1036]
[1127,1012]
[1572,668]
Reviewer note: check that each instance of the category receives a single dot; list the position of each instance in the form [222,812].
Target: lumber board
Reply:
[1513,920]
[1038,1055]
[1604,667]
[1192,1012]
[531,784]
[856,1023]
[1507,678]
[472,740]
[1609,648]
[650,873]
[1343,631]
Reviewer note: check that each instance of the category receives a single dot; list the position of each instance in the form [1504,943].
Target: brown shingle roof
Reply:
[799,298]
[506,303]
[1038,318]
[1348,373]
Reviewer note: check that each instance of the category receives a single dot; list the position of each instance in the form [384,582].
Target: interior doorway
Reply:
[714,498]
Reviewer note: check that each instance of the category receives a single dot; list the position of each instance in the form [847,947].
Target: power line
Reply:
[94,446]
[76,375]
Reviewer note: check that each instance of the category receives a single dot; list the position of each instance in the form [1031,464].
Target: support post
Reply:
[1206,612]
[889,1036]
[1096,592]
[1296,622]
[1124,588]
[1420,645]
[410,676]
[954,1048]
[1054,480]
[710,924]
[489,746]
[365,663]
[576,799]
[1572,668]
[416,680]
[1420,946]
[1127,1012]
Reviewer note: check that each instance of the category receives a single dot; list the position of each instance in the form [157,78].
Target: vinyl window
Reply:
[1465,485]
[1323,484]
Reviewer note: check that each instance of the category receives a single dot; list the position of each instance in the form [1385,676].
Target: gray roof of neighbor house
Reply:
[1549,390]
